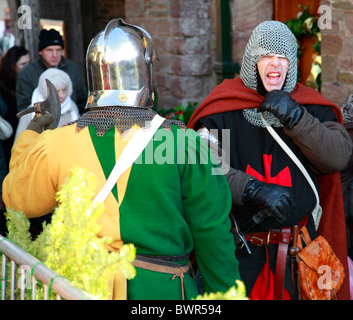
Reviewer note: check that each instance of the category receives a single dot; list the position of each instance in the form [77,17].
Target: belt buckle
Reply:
[256,244]
[262,242]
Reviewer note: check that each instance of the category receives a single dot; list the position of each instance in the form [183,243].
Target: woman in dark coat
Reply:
[10,65]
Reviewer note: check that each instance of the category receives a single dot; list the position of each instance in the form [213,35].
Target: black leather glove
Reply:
[280,103]
[44,122]
[278,200]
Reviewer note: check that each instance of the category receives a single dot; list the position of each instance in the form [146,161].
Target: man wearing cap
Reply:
[50,49]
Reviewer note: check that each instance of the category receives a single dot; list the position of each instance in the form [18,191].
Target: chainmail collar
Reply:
[254,118]
[122,118]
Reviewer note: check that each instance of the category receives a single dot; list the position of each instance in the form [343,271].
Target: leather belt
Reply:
[282,238]
[164,265]
[265,238]
[157,265]
[281,263]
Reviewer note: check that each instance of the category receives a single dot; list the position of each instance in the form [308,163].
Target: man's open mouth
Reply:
[273,77]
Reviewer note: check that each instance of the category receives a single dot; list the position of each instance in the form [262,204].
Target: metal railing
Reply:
[32,272]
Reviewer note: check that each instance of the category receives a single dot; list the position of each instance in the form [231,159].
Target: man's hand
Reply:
[275,198]
[287,110]
[44,122]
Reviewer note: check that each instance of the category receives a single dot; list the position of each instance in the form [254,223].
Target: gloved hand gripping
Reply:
[278,200]
[287,110]
[41,123]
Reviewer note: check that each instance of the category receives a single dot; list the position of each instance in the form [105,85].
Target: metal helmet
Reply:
[270,37]
[119,67]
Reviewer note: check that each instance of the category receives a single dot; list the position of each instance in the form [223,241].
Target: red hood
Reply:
[232,94]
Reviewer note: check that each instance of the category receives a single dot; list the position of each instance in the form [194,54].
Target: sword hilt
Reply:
[294,249]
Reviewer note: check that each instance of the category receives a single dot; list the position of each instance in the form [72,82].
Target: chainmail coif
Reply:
[269,37]
[122,118]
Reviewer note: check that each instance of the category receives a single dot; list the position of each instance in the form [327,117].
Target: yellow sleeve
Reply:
[19,187]
[24,140]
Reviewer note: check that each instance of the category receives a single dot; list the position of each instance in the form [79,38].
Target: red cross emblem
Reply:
[283,178]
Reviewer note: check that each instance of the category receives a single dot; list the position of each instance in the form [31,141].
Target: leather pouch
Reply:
[320,273]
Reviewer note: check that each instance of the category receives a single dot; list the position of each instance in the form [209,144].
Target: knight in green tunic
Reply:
[173,201]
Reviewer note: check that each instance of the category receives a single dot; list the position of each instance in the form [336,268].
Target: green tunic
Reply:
[174,204]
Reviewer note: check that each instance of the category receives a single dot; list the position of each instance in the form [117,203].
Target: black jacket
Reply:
[27,81]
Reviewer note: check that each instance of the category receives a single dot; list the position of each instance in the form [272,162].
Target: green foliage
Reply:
[306,25]
[237,292]
[69,244]
[179,112]
[18,232]
[74,250]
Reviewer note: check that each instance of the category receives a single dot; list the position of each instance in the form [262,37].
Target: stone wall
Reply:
[337,52]
[246,15]
[183,33]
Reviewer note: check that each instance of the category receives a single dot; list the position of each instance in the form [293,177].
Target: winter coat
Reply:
[28,77]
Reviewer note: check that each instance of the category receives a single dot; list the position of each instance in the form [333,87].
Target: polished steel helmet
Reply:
[119,67]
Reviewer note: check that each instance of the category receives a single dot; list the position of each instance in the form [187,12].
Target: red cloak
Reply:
[233,95]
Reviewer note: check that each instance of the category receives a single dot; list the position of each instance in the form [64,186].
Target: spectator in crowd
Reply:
[11,63]
[8,39]
[50,49]
[63,85]
[13,60]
